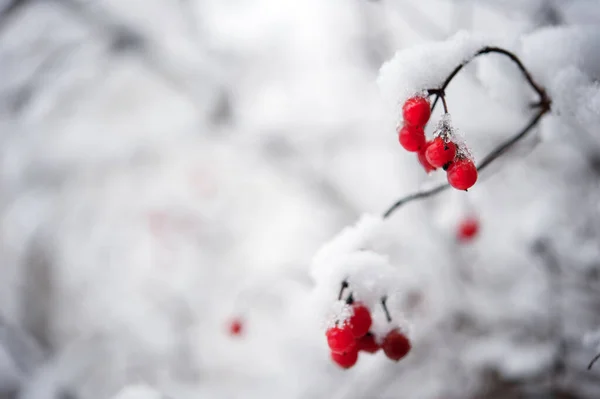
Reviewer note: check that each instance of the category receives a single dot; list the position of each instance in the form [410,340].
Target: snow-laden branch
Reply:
[543,106]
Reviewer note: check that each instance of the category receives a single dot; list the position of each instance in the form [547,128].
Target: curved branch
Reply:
[343,286]
[413,197]
[488,50]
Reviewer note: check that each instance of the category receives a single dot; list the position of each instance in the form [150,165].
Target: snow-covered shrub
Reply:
[168,166]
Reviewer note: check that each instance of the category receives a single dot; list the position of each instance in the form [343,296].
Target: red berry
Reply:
[396,345]
[340,339]
[412,138]
[462,174]
[235,327]
[368,344]
[346,359]
[360,321]
[439,153]
[416,111]
[423,159]
[467,229]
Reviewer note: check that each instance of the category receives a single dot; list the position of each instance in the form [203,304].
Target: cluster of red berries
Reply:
[348,337]
[441,152]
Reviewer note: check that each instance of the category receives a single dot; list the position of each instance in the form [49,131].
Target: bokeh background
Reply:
[168,166]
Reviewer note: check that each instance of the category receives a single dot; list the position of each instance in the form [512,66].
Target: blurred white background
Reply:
[168,166]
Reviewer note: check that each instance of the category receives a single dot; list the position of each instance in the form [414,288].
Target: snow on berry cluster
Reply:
[445,150]
[406,85]
[350,335]
[356,283]
[426,66]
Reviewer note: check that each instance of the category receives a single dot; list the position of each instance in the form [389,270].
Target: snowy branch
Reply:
[543,106]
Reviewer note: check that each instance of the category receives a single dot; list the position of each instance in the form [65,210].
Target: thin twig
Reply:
[487,50]
[342,288]
[440,93]
[502,148]
[385,309]
[413,197]
[594,360]
[443,97]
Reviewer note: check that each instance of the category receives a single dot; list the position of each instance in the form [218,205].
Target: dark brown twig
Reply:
[487,50]
[440,93]
[385,309]
[344,285]
[594,360]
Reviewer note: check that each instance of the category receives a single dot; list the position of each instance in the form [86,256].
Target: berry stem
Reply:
[350,299]
[342,288]
[385,309]
[439,93]
[443,97]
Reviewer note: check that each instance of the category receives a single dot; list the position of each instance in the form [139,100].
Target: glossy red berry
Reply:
[396,345]
[416,111]
[360,321]
[423,159]
[412,138]
[340,339]
[462,174]
[439,153]
[367,344]
[467,229]
[346,359]
[235,327]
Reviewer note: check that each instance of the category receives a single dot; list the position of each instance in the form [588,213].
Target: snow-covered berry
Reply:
[360,321]
[345,359]
[412,138]
[467,229]
[440,152]
[340,339]
[416,111]
[462,174]
[368,344]
[396,345]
